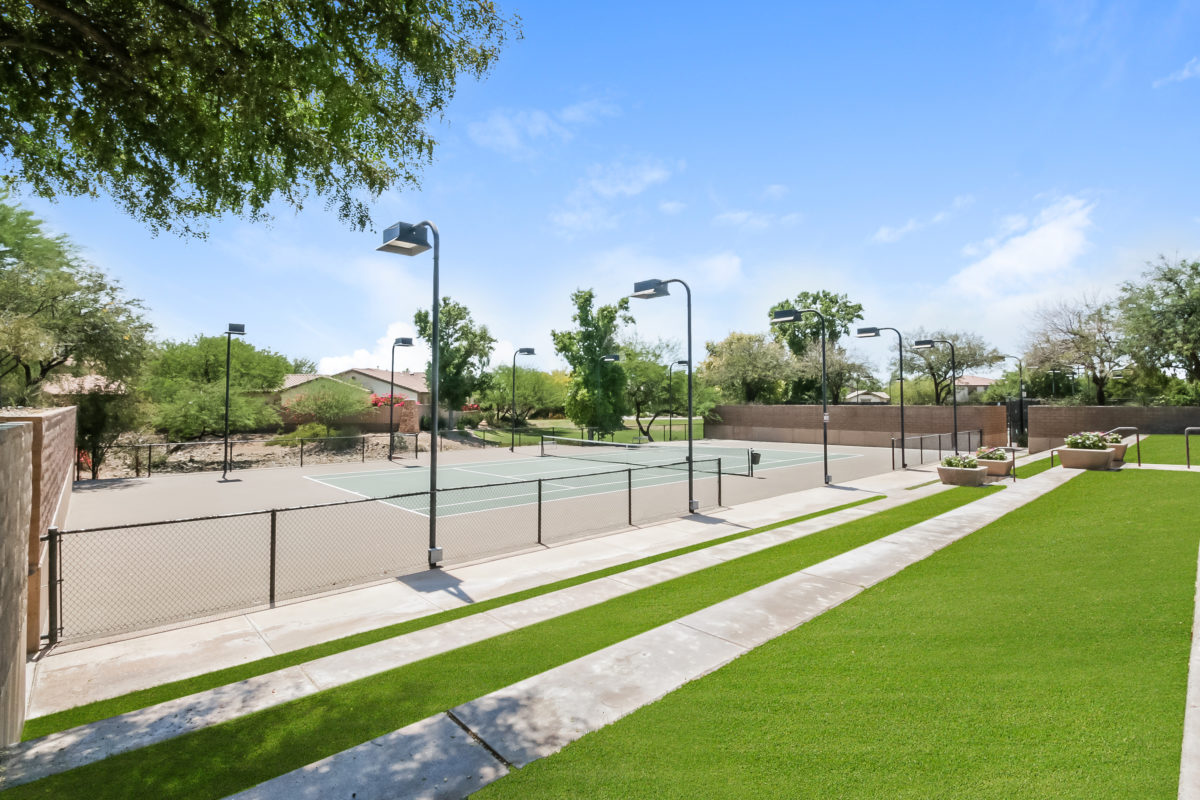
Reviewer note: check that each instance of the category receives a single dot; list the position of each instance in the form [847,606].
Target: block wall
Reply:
[16,507]
[1049,425]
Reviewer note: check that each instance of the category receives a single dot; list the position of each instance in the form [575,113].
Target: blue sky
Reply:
[948,165]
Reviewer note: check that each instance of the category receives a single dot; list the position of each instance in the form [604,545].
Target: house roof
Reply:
[84,384]
[413,381]
[974,381]
[298,379]
[865,393]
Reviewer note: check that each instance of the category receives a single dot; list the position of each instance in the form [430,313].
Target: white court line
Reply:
[360,494]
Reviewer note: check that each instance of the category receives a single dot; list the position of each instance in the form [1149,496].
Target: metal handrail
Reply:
[1187,443]
[921,437]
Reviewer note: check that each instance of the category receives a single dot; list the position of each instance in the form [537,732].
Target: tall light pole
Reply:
[411,240]
[871,333]
[648,290]
[401,341]
[235,329]
[792,315]
[521,351]
[1020,396]
[927,344]
[671,398]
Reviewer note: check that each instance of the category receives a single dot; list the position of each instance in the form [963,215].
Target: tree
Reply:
[464,350]
[747,368]
[185,381]
[59,315]
[303,366]
[330,401]
[100,419]
[841,371]
[798,336]
[184,110]
[1161,316]
[970,352]
[595,395]
[536,391]
[1084,334]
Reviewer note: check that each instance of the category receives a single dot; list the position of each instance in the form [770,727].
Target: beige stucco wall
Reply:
[16,507]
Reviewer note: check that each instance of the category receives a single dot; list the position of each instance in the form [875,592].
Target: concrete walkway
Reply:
[455,753]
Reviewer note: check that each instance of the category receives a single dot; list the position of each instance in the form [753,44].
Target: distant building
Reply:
[409,385]
[868,398]
[969,386]
[297,385]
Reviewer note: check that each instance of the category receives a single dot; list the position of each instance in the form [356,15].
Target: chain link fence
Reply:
[121,579]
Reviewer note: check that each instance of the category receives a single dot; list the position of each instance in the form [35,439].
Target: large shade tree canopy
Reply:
[187,109]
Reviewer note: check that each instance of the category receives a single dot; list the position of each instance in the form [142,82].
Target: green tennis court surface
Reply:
[471,488]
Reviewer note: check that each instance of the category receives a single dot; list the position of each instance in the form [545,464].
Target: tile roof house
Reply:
[410,385]
[970,385]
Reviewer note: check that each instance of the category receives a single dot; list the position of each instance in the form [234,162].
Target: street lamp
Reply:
[411,240]
[521,351]
[611,357]
[671,398]
[235,329]
[649,290]
[1020,396]
[927,344]
[871,333]
[792,315]
[401,341]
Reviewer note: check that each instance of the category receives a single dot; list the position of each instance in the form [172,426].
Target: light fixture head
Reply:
[402,341]
[611,357]
[785,315]
[650,289]
[405,239]
[683,362]
[867,333]
[525,351]
[923,344]
[236,327]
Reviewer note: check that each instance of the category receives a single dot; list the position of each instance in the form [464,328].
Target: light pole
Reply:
[411,240]
[401,341]
[521,351]
[671,398]
[792,315]
[871,333]
[1020,396]
[235,329]
[927,344]
[648,290]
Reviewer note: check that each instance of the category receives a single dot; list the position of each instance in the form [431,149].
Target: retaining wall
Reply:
[1049,425]
[16,506]
[862,426]
[52,470]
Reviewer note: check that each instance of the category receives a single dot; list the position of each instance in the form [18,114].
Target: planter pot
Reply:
[962,476]
[1118,451]
[1078,458]
[996,468]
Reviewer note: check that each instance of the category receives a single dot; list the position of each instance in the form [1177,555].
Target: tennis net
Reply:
[728,460]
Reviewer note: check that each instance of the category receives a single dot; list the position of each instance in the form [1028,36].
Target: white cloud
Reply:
[775,191]
[1021,259]
[756,220]
[888,234]
[517,133]
[587,207]
[1190,70]
[721,270]
[412,358]
[671,207]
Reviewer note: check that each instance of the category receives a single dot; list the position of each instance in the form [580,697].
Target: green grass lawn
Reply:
[226,758]
[1164,449]
[1044,656]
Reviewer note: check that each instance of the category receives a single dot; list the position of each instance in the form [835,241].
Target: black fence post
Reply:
[54,593]
[629,484]
[273,562]
[719,471]
[149,458]
[302,452]
[539,506]
[364,448]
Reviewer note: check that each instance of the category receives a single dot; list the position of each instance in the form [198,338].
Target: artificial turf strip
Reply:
[1164,449]
[235,755]
[103,709]
[1045,655]
[1033,468]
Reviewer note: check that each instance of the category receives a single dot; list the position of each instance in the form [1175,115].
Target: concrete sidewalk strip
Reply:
[1189,762]
[538,716]
[434,759]
[48,755]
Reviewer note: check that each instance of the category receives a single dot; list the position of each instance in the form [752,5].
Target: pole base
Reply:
[435,556]
[693,506]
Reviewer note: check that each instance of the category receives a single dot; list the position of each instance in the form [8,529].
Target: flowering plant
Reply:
[383,400]
[964,461]
[991,454]
[1087,440]
[1112,438]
